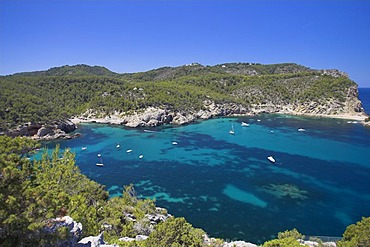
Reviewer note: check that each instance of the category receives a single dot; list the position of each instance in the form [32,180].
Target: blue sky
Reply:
[139,35]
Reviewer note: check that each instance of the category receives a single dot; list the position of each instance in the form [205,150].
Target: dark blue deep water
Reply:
[364,95]
[225,184]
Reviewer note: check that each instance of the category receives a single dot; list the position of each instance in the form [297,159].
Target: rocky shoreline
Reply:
[44,132]
[152,117]
[351,109]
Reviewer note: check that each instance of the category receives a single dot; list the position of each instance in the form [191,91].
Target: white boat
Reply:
[174,143]
[231,131]
[301,130]
[270,158]
[118,146]
[83,148]
[258,120]
[101,161]
[141,156]
[244,124]
[129,151]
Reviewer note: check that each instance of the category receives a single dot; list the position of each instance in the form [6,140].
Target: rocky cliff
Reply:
[349,107]
[56,130]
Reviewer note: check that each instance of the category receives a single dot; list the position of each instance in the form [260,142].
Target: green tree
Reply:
[285,239]
[33,193]
[175,232]
[357,235]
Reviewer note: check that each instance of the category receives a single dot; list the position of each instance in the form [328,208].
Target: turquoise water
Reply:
[225,184]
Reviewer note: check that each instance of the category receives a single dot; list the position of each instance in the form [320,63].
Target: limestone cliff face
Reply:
[349,106]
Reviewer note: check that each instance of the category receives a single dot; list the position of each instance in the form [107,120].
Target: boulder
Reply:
[94,241]
[45,130]
[141,237]
[152,123]
[183,118]
[126,239]
[166,119]
[66,125]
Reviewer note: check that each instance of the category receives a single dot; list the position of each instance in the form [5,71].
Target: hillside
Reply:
[193,91]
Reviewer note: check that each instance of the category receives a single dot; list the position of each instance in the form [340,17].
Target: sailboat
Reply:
[101,161]
[232,132]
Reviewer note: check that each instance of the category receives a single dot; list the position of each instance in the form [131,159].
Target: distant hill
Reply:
[166,73]
[75,70]
[196,69]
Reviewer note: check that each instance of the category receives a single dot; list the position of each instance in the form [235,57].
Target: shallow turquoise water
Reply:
[224,183]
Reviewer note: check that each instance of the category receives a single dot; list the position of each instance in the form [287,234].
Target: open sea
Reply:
[224,184]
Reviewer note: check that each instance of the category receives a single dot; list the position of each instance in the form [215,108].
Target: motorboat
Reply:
[270,158]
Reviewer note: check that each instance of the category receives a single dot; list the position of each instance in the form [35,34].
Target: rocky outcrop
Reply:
[152,117]
[59,129]
[146,225]
[350,107]
[27,129]
[334,73]
[74,230]
[94,241]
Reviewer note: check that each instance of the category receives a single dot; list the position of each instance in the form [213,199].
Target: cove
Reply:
[225,184]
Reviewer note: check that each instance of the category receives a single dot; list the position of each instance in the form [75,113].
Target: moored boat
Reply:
[270,158]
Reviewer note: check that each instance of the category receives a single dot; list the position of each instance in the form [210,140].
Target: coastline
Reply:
[136,118]
[152,117]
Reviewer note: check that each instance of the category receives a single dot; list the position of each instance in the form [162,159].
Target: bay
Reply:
[224,183]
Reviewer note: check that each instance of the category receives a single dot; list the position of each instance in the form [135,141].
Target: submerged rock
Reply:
[286,190]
